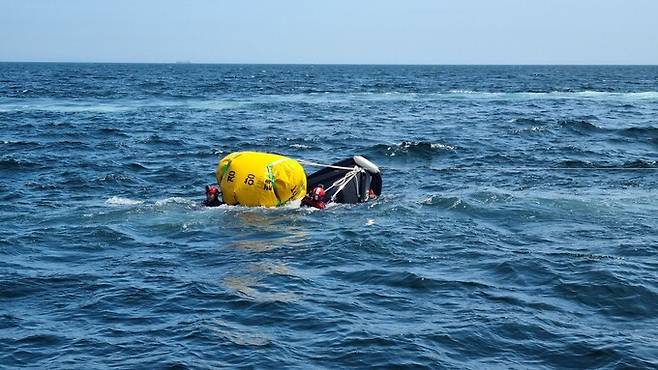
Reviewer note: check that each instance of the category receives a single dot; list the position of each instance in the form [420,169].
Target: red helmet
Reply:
[213,190]
[318,193]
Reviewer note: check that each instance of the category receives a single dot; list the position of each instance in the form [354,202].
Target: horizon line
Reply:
[185,62]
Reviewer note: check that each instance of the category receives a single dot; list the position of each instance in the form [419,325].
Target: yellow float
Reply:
[256,179]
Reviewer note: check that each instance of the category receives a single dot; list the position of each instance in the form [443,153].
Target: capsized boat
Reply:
[352,180]
[256,179]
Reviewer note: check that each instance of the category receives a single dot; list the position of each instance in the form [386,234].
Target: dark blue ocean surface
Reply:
[517,226]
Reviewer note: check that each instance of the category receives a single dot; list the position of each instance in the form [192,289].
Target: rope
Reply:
[342,182]
[504,168]
[324,165]
[549,168]
[345,179]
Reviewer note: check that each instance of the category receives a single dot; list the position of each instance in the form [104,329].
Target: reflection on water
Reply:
[268,219]
[241,284]
[239,335]
[263,280]
[251,287]
[270,268]
[264,244]
[253,245]
[262,231]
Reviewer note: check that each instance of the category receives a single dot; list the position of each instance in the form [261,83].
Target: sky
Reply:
[328,32]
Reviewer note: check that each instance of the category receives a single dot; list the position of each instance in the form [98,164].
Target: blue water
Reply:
[517,226]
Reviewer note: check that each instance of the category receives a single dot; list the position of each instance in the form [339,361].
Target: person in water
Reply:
[315,198]
[212,197]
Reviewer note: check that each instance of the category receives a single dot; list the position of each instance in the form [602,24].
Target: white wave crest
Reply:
[586,94]
[300,146]
[442,147]
[174,200]
[120,201]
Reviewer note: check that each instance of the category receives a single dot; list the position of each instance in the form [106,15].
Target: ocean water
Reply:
[517,226]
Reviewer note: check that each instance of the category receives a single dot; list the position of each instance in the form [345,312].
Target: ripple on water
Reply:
[516,227]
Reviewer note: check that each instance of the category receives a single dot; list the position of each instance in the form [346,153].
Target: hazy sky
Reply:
[334,31]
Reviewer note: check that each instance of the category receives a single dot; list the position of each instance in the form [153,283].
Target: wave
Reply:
[640,163]
[568,164]
[404,280]
[580,126]
[300,146]
[413,149]
[16,164]
[527,121]
[445,202]
[529,126]
[123,201]
[641,132]
[392,96]
[311,97]
[136,166]
[112,131]
[633,164]
[587,94]
[62,106]
[585,125]
[162,139]
[174,200]
[18,146]
[115,106]
[610,295]
[120,201]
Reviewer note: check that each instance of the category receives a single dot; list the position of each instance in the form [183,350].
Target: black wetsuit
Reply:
[213,203]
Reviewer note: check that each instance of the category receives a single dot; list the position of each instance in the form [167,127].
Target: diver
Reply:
[315,198]
[212,197]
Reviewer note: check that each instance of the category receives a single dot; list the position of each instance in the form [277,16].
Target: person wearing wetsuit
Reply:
[315,198]
[212,197]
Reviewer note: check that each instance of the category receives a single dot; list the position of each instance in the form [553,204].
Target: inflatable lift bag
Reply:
[257,179]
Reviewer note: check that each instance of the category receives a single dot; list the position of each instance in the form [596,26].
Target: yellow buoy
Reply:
[260,179]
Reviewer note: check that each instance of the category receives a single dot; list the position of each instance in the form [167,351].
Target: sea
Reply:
[517,226]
